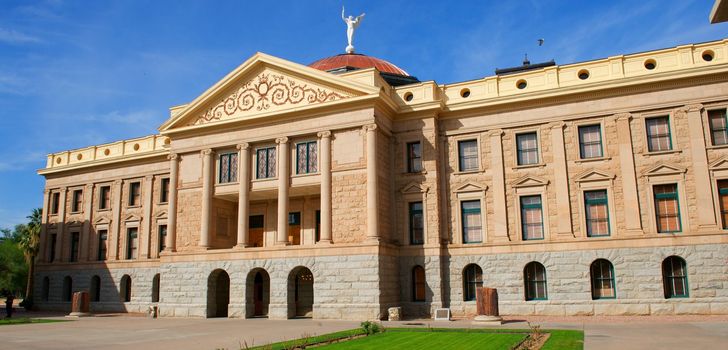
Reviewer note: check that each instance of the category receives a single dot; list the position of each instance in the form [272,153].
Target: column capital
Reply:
[117,182]
[282,140]
[557,125]
[496,132]
[623,116]
[369,127]
[173,156]
[324,134]
[695,107]
[206,152]
[244,146]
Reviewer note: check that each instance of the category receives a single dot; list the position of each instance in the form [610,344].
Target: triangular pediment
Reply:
[470,187]
[530,181]
[414,187]
[265,85]
[132,217]
[720,164]
[594,175]
[664,169]
[102,221]
[161,215]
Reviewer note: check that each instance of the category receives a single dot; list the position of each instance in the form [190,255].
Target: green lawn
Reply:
[564,339]
[402,339]
[22,320]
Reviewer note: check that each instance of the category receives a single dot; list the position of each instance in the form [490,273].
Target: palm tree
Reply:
[30,243]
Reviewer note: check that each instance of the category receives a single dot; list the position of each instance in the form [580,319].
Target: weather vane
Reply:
[351,24]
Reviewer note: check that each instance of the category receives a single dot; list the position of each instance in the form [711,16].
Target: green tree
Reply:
[13,269]
[29,242]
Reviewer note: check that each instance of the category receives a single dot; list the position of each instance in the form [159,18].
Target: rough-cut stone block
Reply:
[615,309]
[579,310]
[692,309]
[395,313]
[719,308]
[662,309]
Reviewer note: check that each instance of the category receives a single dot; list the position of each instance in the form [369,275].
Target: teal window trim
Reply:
[162,230]
[103,248]
[595,280]
[668,279]
[723,210]
[650,136]
[533,283]
[587,205]
[462,158]
[267,151]
[131,233]
[464,211]
[524,225]
[522,151]
[414,161]
[308,168]
[134,187]
[413,213]
[672,195]
[226,177]
[723,130]
[583,144]
[471,281]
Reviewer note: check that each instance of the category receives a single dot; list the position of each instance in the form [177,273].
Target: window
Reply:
[597,213]
[667,208]
[104,197]
[675,277]
[77,203]
[318,225]
[418,283]
[74,246]
[266,162]
[718,127]
[132,242]
[255,230]
[472,278]
[162,237]
[658,134]
[155,289]
[55,202]
[228,168]
[602,280]
[103,244]
[723,198]
[307,158]
[125,290]
[52,249]
[46,288]
[164,191]
[67,288]
[95,290]
[416,223]
[472,223]
[294,228]
[135,194]
[534,276]
[468,153]
[414,157]
[590,141]
[527,147]
[531,217]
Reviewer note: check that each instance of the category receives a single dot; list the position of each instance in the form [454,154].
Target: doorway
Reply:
[218,294]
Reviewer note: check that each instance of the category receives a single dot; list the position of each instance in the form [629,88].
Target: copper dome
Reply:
[358,61]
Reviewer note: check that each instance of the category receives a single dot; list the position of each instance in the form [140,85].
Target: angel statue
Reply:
[351,24]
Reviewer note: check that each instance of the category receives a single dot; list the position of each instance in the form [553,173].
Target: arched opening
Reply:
[67,288]
[602,280]
[257,296]
[300,293]
[534,278]
[418,283]
[95,288]
[218,293]
[155,289]
[46,288]
[125,289]
[675,277]
[472,279]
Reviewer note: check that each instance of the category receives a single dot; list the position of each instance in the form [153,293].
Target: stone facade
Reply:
[279,207]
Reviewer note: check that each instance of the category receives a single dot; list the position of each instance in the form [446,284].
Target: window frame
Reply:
[721,192]
[671,294]
[588,202]
[460,158]
[227,156]
[102,242]
[267,149]
[131,202]
[164,184]
[518,150]
[102,205]
[74,246]
[581,142]
[416,284]
[77,203]
[128,243]
[670,134]
[462,220]
[467,283]
[412,212]
[55,203]
[295,159]
[531,206]
[710,129]
[532,285]
[676,196]
[161,245]
[593,280]
[411,159]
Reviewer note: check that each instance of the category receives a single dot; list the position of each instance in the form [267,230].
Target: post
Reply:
[283,161]
[372,184]
[325,155]
[207,188]
[243,194]
[171,238]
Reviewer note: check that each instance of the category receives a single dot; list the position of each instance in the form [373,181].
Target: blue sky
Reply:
[78,73]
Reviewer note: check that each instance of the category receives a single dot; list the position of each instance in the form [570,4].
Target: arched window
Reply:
[46,288]
[534,277]
[125,289]
[675,277]
[418,283]
[67,288]
[602,280]
[472,278]
[155,289]
[95,290]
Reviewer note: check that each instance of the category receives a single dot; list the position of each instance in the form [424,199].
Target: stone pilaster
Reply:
[43,247]
[630,200]
[243,193]
[114,238]
[283,183]
[145,230]
[325,156]
[500,209]
[88,195]
[170,243]
[61,233]
[561,182]
[703,187]
[207,188]
[372,184]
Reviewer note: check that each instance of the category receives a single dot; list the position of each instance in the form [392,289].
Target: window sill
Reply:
[136,206]
[465,172]
[423,172]
[527,166]
[717,146]
[103,209]
[264,179]
[595,159]
[306,174]
[659,153]
[226,183]
[76,212]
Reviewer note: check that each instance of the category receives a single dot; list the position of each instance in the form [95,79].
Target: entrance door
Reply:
[223,295]
[303,297]
[258,295]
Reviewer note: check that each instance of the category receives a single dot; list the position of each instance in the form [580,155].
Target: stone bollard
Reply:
[153,310]
[395,314]
[487,303]
[80,305]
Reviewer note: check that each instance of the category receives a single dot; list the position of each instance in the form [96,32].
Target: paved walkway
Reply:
[127,332]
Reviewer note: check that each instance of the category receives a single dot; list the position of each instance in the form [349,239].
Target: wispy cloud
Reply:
[21,161]
[11,36]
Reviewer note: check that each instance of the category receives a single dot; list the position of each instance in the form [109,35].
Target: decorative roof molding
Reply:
[720,164]
[470,187]
[594,175]
[664,169]
[414,187]
[529,181]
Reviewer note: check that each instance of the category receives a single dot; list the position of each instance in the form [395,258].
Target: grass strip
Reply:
[288,344]
[25,320]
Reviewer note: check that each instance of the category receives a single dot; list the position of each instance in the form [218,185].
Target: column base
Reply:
[373,240]
[282,243]
[325,242]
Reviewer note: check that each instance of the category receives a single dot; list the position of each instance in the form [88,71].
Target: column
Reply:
[561,181]
[61,233]
[207,168]
[372,184]
[703,187]
[172,205]
[500,208]
[283,182]
[145,230]
[325,156]
[43,246]
[630,202]
[243,193]
[88,195]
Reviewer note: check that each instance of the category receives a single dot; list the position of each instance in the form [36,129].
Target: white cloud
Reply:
[11,36]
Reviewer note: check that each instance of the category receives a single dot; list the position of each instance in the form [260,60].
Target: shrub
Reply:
[371,327]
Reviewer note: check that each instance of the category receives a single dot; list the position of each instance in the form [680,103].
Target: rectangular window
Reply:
[531,217]
[667,208]
[723,198]
[255,230]
[77,201]
[52,250]
[104,197]
[55,202]
[266,163]
[590,141]
[135,194]
[132,242]
[103,244]
[527,147]
[718,127]
[162,237]
[414,157]
[318,225]
[164,191]
[228,168]
[472,223]
[468,153]
[307,157]
[294,228]
[74,246]
[597,213]
[658,134]
[416,223]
